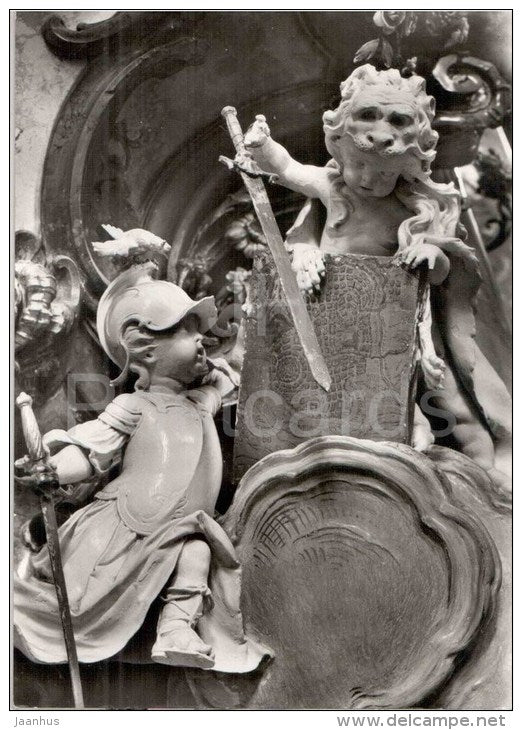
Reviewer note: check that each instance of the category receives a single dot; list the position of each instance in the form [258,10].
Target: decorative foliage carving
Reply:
[192,276]
[230,302]
[236,289]
[492,200]
[47,299]
[245,235]
[471,96]
[477,95]
[450,27]
[231,227]
[232,224]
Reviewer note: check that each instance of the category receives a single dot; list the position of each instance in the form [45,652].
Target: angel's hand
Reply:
[420,253]
[32,534]
[308,264]
[258,133]
[429,253]
[433,368]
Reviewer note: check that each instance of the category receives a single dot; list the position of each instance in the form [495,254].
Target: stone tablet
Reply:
[365,319]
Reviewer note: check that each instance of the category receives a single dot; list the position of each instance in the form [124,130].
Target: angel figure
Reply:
[379,199]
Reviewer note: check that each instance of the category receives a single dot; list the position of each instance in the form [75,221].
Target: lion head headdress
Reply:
[436,206]
[413,139]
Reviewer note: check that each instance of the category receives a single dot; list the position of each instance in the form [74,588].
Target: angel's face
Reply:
[367,174]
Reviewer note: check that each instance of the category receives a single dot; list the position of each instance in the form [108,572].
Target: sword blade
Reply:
[301,318]
[55,558]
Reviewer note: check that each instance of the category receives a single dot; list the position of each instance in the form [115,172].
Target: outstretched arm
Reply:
[273,157]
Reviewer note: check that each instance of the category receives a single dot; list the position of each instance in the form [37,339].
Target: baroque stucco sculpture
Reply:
[293,520]
[270,526]
[131,543]
[380,200]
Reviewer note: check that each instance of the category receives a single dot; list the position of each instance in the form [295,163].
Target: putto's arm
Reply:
[272,157]
[72,465]
[94,447]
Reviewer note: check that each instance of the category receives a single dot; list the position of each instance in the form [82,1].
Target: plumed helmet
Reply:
[136,296]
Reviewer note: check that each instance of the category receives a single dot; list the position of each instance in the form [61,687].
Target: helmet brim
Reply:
[204,309]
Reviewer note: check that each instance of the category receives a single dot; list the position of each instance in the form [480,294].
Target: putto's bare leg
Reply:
[471,435]
[177,643]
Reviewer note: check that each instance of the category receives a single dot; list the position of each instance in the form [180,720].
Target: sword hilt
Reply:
[32,435]
[35,447]
[229,114]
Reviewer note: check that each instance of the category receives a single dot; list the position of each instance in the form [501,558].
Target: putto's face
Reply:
[367,174]
[180,354]
[383,120]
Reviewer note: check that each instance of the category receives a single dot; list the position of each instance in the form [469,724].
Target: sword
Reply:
[48,485]
[300,316]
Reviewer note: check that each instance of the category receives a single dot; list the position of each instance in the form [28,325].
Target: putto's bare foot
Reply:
[182,647]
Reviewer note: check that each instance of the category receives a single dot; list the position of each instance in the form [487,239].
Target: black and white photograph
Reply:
[261,364]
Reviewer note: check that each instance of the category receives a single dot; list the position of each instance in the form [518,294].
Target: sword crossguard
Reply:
[38,476]
[246,164]
[251,175]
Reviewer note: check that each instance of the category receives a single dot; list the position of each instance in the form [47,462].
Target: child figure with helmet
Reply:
[150,533]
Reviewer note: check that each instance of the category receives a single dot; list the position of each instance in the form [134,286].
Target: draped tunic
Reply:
[120,551]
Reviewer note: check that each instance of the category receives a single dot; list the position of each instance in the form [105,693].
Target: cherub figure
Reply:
[380,200]
[150,532]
